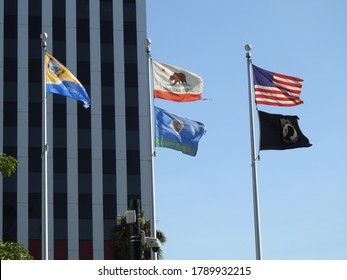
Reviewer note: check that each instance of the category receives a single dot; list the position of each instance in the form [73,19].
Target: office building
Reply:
[99,158]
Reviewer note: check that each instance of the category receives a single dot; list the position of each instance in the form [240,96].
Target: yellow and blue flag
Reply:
[177,133]
[59,80]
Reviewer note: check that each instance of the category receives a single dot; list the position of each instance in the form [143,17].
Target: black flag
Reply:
[279,132]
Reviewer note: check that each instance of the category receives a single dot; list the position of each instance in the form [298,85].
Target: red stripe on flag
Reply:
[295,85]
[277,103]
[279,91]
[288,77]
[273,97]
[186,97]
[288,90]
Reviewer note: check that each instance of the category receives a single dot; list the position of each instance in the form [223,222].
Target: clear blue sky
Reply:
[205,203]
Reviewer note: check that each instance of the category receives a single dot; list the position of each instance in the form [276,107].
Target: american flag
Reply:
[276,89]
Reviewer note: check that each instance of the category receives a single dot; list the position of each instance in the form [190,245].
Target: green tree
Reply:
[13,251]
[8,165]
[120,239]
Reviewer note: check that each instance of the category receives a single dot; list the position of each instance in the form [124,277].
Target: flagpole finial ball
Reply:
[248,47]
[44,36]
[147,42]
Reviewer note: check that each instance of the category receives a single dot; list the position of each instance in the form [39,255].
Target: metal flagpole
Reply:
[44,237]
[254,159]
[153,214]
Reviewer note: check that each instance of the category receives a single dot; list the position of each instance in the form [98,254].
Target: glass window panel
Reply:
[59,160]
[84,161]
[10,114]
[10,69]
[109,161]
[35,203]
[60,229]
[60,206]
[85,206]
[110,206]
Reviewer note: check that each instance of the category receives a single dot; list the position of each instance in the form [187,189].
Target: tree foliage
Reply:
[120,239]
[8,165]
[13,251]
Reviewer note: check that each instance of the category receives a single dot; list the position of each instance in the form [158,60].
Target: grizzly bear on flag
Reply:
[179,78]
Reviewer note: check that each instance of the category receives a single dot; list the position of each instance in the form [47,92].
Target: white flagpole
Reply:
[254,159]
[152,153]
[44,236]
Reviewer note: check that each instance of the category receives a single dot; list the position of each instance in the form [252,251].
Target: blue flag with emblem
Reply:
[59,80]
[177,133]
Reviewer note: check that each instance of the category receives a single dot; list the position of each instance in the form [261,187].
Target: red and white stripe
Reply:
[285,92]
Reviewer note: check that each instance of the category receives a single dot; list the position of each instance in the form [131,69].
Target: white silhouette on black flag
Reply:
[280,132]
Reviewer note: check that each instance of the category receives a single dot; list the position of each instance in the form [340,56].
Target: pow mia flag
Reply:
[279,132]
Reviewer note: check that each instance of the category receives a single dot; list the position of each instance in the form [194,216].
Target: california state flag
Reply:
[175,84]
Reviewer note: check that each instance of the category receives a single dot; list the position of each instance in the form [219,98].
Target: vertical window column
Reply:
[120,126]
[96,127]
[71,138]
[22,126]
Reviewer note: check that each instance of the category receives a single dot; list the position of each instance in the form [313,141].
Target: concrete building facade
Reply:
[99,158]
